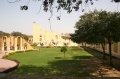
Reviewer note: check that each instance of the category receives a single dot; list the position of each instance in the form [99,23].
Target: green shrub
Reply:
[19,51]
[24,51]
[34,45]
[47,47]
[6,55]
[74,46]
[28,50]
[63,49]
[11,53]
[59,46]
[44,46]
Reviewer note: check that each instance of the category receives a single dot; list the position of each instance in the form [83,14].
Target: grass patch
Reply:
[51,62]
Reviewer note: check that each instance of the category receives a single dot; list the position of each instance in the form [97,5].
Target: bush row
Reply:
[59,46]
[11,53]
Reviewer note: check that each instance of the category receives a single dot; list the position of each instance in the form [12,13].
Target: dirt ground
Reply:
[100,68]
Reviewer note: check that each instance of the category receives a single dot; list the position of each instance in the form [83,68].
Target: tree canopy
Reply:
[14,34]
[98,27]
[20,34]
[68,5]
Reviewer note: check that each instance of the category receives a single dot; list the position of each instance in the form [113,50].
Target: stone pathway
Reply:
[2,54]
[6,64]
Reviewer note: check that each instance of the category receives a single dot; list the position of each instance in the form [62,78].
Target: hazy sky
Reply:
[14,19]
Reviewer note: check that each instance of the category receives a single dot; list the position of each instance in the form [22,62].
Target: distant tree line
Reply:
[4,33]
[14,34]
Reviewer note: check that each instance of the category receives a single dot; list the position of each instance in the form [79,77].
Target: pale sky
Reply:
[14,19]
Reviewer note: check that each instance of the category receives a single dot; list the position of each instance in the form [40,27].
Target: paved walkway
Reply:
[6,64]
[2,54]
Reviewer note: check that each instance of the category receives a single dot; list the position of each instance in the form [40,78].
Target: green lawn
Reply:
[51,62]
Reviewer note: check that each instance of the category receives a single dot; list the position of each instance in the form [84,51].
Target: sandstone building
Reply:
[13,43]
[44,37]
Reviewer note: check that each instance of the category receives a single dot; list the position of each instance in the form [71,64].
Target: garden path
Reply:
[6,64]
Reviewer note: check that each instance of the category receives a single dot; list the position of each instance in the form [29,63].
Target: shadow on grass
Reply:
[72,68]
[77,49]
[99,55]
[81,57]
[58,57]
[93,52]
[80,66]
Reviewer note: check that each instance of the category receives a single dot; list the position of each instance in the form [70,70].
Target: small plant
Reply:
[34,45]
[25,46]
[63,49]
[19,51]
[5,56]
[12,53]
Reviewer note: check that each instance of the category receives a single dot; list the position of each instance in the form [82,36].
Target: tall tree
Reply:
[112,30]
[99,28]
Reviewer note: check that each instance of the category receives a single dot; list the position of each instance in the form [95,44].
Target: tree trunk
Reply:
[64,54]
[82,43]
[104,55]
[85,44]
[110,53]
